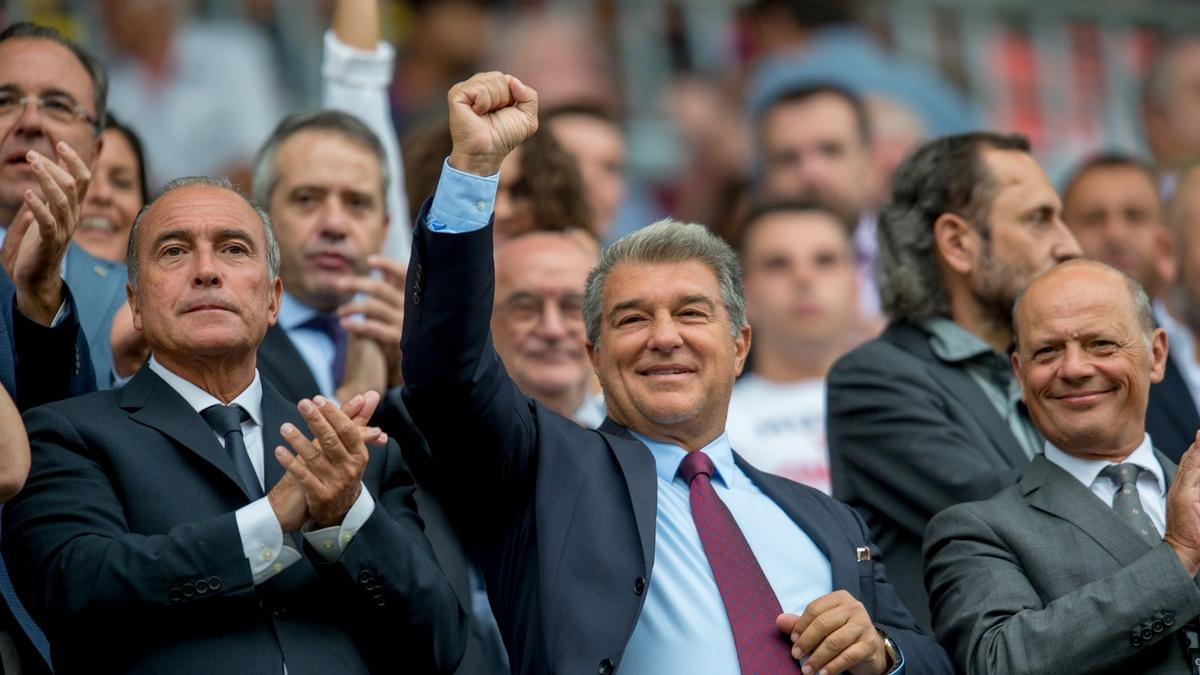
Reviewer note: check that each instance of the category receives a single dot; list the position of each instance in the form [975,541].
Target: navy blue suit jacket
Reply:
[125,547]
[1171,416]
[565,516]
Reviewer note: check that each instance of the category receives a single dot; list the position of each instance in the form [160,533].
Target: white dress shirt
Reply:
[1151,483]
[268,552]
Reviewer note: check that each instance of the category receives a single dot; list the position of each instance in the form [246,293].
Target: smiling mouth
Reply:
[1082,399]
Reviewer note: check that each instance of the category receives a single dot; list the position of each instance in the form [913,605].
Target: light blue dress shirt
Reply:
[315,346]
[683,627]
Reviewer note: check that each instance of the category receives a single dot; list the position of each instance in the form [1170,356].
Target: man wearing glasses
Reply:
[51,109]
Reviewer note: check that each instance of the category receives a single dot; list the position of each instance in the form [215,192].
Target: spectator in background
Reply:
[537,320]
[203,95]
[814,143]
[802,302]
[1112,205]
[597,142]
[1170,109]
[116,194]
[928,414]
[1178,313]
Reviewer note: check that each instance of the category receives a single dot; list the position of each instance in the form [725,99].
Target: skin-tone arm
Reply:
[1183,510]
[490,115]
[356,23]
[14,448]
[32,256]
[837,635]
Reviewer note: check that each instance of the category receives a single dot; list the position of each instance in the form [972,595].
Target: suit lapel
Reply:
[279,362]
[1050,489]
[276,411]
[152,402]
[638,466]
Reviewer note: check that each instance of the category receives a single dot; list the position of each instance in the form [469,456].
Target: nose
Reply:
[552,325]
[1075,364]
[99,191]
[664,334]
[334,221]
[205,273]
[29,120]
[1065,246]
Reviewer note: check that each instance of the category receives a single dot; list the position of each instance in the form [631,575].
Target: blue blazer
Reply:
[564,517]
[99,289]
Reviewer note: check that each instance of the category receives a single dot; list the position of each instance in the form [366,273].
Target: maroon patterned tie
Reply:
[749,601]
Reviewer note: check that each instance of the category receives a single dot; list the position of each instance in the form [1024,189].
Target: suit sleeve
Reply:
[390,569]
[51,363]
[987,610]
[455,387]
[891,436]
[75,562]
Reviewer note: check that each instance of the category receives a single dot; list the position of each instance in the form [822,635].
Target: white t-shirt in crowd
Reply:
[780,428]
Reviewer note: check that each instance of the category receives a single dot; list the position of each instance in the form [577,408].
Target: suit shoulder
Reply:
[983,511]
[877,355]
[79,407]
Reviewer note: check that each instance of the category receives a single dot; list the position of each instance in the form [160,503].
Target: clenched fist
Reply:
[490,115]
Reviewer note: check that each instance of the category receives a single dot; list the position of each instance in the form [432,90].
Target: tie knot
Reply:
[1121,474]
[225,418]
[694,464]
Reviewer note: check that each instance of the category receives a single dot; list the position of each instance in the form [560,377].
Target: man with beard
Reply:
[814,144]
[928,415]
[1112,205]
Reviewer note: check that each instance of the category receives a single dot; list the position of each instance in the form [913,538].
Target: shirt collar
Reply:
[951,342]
[1086,471]
[292,312]
[667,457]
[250,399]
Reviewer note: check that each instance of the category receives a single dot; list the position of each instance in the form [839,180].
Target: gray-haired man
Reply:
[928,415]
[646,545]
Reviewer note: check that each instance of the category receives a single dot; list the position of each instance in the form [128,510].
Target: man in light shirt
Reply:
[1088,563]
[171,510]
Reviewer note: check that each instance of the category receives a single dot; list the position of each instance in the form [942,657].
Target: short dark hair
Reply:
[266,171]
[94,68]
[762,210]
[945,175]
[589,110]
[1109,160]
[111,123]
[807,92]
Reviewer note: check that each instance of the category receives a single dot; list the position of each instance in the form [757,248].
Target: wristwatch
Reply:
[890,648]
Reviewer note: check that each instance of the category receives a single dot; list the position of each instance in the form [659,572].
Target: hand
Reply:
[333,462]
[287,498]
[490,115]
[366,369]
[836,634]
[1183,510]
[33,256]
[129,347]
[380,302]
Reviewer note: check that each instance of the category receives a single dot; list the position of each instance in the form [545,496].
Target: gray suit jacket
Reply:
[910,435]
[1045,578]
[98,286]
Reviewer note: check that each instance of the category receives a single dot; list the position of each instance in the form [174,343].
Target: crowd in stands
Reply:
[410,371]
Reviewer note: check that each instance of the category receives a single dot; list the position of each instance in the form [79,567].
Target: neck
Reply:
[1117,453]
[690,435]
[981,322]
[799,360]
[225,377]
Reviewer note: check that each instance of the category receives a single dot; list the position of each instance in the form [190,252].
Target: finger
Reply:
[524,95]
[353,406]
[375,307]
[820,628]
[375,288]
[58,190]
[349,437]
[43,215]
[301,445]
[16,234]
[835,646]
[75,167]
[296,468]
[323,433]
[386,334]
[371,401]
[814,609]
[393,271]
[786,623]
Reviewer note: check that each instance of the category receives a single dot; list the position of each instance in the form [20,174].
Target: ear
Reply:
[1016,366]
[957,242]
[276,298]
[1165,261]
[593,356]
[1158,355]
[741,348]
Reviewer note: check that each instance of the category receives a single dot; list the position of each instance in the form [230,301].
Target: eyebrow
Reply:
[168,235]
[639,303]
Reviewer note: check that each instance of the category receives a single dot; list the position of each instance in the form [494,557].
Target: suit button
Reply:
[1157,626]
[416,298]
[188,590]
[1135,641]
[174,595]
[365,576]
[279,612]
[1147,633]
[639,586]
[1168,619]
[214,583]
[606,667]
[201,586]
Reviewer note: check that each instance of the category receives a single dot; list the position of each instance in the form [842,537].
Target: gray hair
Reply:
[945,175]
[1143,309]
[266,171]
[668,241]
[223,183]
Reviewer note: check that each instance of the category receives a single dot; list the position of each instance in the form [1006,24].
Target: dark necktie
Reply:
[1128,503]
[331,326]
[227,420]
[749,601]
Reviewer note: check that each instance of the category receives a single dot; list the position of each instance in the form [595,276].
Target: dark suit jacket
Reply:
[39,364]
[1046,578]
[125,547]
[281,364]
[1171,416]
[910,435]
[567,514]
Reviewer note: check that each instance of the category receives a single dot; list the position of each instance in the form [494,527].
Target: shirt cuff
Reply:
[463,201]
[329,542]
[357,67]
[63,313]
[263,541]
[898,665]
